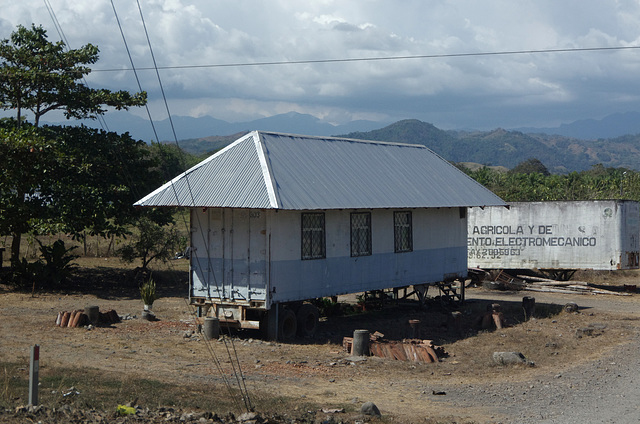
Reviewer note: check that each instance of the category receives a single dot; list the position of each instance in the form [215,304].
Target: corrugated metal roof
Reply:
[266,170]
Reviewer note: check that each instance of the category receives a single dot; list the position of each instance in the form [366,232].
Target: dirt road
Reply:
[603,389]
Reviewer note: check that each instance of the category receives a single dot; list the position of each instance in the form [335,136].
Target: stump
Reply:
[493,317]
[455,320]
[360,345]
[211,328]
[414,328]
[93,312]
[529,307]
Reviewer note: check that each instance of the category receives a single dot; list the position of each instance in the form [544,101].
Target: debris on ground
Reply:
[80,318]
[504,281]
[592,330]
[416,350]
[370,408]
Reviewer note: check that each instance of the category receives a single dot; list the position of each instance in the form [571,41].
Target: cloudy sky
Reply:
[205,50]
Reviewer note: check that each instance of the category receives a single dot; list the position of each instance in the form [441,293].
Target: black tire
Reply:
[307,317]
[287,325]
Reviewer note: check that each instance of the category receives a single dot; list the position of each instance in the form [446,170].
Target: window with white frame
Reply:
[402,231]
[313,236]
[360,233]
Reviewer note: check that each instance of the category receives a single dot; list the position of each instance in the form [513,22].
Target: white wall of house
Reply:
[255,255]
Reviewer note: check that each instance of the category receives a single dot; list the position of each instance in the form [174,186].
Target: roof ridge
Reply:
[337,138]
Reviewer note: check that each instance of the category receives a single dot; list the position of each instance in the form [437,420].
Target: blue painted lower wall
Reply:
[298,280]
[294,280]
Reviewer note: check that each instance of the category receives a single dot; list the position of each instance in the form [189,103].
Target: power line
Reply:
[135,70]
[155,66]
[373,59]
[52,14]
[237,372]
[56,24]
[233,359]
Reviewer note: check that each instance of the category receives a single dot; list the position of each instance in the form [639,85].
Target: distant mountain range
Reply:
[560,154]
[611,126]
[613,141]
[187,127]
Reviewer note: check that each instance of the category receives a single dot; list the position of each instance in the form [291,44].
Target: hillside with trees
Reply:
[508,148]
[541,167]
[529,181]
[498,147]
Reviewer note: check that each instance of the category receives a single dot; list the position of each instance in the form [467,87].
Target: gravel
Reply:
[605,390]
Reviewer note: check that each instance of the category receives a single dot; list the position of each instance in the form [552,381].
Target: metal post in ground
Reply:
[34,370]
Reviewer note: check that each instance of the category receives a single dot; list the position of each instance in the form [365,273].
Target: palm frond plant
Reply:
[148,292]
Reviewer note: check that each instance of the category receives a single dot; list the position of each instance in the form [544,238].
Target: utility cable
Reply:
[381,58]
[100,118]
[133,67]
[215,359]
[56,24]
[234,363]
[237,373]
[58,27]
[218,364]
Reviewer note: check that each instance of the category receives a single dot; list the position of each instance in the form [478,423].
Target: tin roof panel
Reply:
[283,171]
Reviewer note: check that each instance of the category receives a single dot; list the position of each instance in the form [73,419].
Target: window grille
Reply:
[403,231]
[360,234]
[313,236]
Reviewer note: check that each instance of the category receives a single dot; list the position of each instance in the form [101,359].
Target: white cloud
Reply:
[505,88]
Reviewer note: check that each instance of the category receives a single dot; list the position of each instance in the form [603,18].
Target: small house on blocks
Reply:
[280,219]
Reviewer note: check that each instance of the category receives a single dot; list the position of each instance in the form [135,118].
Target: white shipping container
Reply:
[252,257]
[598,235]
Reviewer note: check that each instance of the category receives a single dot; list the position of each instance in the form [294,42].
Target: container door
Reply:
[207,265]
[257,256]
[199,269]
[244,234]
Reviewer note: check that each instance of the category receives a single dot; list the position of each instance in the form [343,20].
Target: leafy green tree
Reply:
[100,175]
[72,179]
[40,76]
[26,161]
[63,178]
[531,166]
[171,160]
[153,242]
[598,183]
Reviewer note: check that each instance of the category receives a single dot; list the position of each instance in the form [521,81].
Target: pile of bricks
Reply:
[79,318]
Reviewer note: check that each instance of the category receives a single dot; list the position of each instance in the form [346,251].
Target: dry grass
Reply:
[96,389]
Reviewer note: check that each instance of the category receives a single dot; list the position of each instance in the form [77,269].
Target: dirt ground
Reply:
[465,386]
